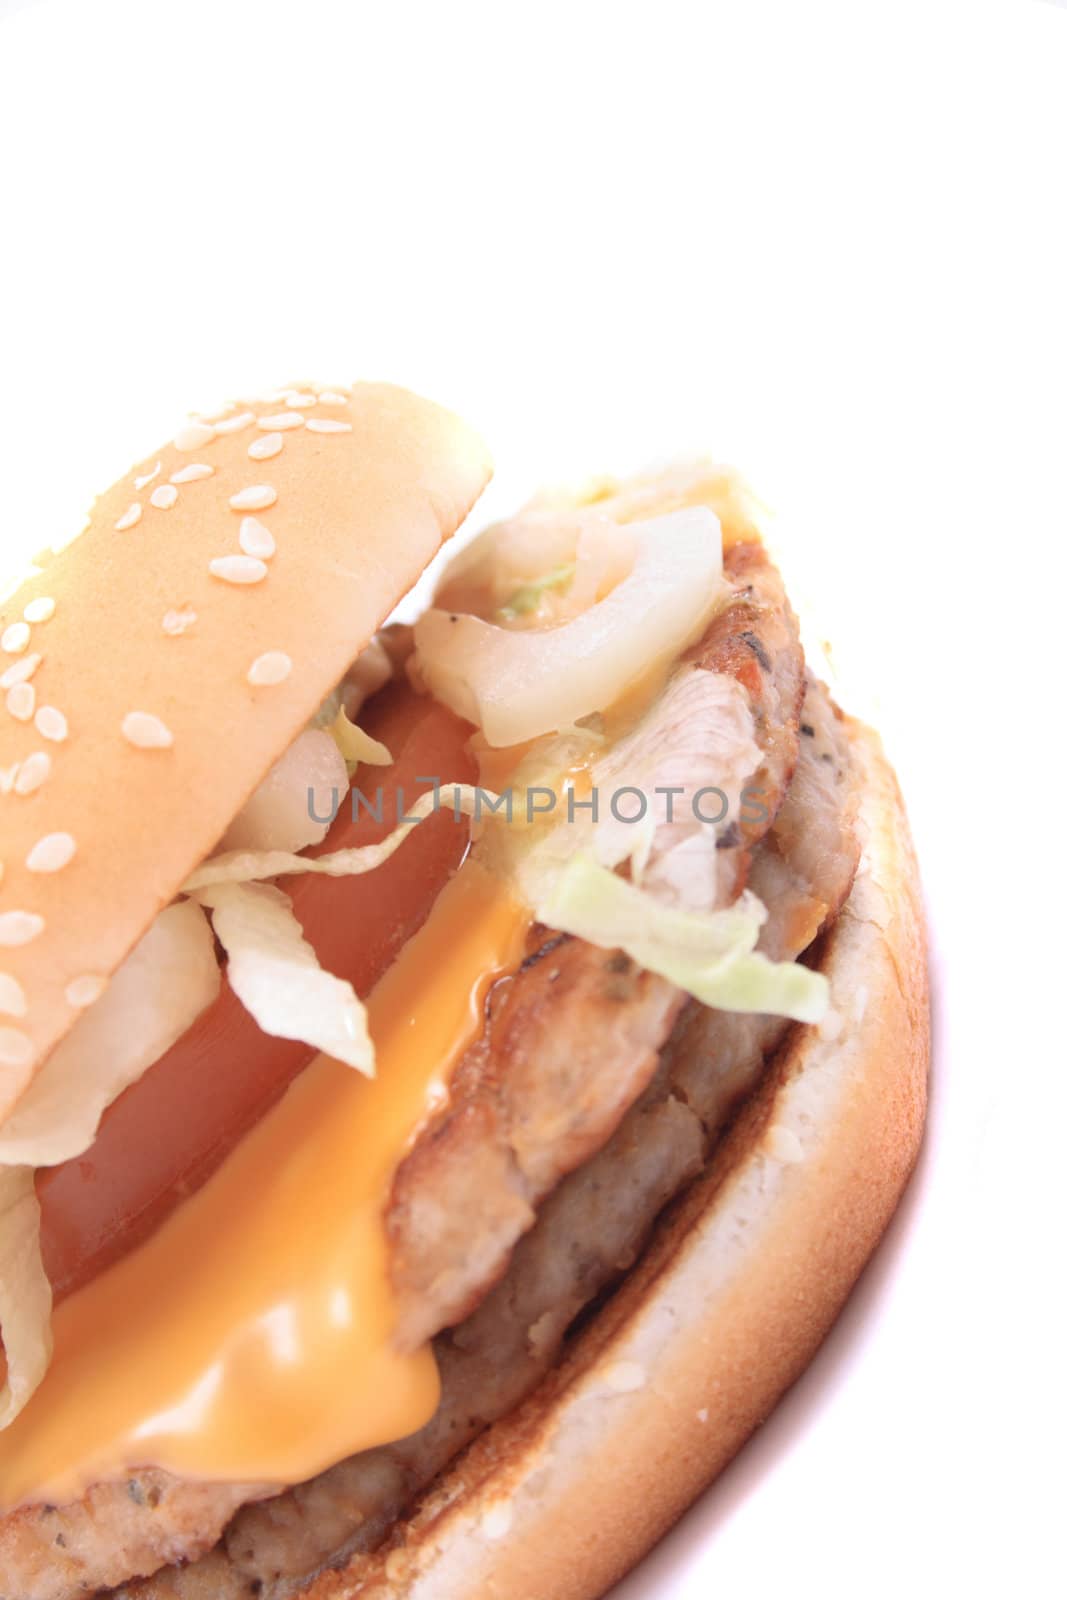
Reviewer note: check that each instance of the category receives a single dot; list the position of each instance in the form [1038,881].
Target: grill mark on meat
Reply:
[752,640]
[755,639]
[544,949]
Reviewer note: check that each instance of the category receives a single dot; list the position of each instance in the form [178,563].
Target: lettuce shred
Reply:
[711,955]
[25,1293]
[275,973]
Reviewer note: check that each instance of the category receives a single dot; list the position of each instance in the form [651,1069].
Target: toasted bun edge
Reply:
[740,1285]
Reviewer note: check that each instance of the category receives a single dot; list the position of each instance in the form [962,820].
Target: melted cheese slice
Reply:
[250,1338]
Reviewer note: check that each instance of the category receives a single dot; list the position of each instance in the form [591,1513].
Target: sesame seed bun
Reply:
[159,665]
[728,1305]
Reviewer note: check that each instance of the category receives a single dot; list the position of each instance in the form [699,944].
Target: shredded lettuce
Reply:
[355,745]
[160,989]
[275,974]
[25,1293]
[272,969]
[711,955]
[248,866]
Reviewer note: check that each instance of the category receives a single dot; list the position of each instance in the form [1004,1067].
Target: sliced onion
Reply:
[279,814]
[539,569]
[518,685]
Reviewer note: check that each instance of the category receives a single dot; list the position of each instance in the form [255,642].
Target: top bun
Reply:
[159,665]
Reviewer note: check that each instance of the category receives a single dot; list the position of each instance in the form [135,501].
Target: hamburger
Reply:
[451,1075]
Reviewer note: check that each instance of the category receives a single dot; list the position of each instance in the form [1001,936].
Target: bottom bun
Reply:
[739,1286]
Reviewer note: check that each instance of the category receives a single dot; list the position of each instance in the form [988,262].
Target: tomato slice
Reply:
[168,1132]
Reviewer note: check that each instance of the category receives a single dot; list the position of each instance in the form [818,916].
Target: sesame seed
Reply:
[19,927]
[164,497]
[21,701]
[32,772]
[146,731]
[192,473]
[238,569]
[84,991]
[16,1050]
[20,671]
[235,424]
[7,779]
[51,724]
[41,609]
[258,497]
[12,996]
[702,1414]
[624,1376]
[146,478]
[267,448]
[783,1144]
[296,398]
[193,436]
[130,518]
[328,425]
[266,670]
[51,853]
[327,398]
[280,422]
[15,638]
[255,538]
[176,622]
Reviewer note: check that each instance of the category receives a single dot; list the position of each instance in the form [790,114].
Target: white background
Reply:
[825,241]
